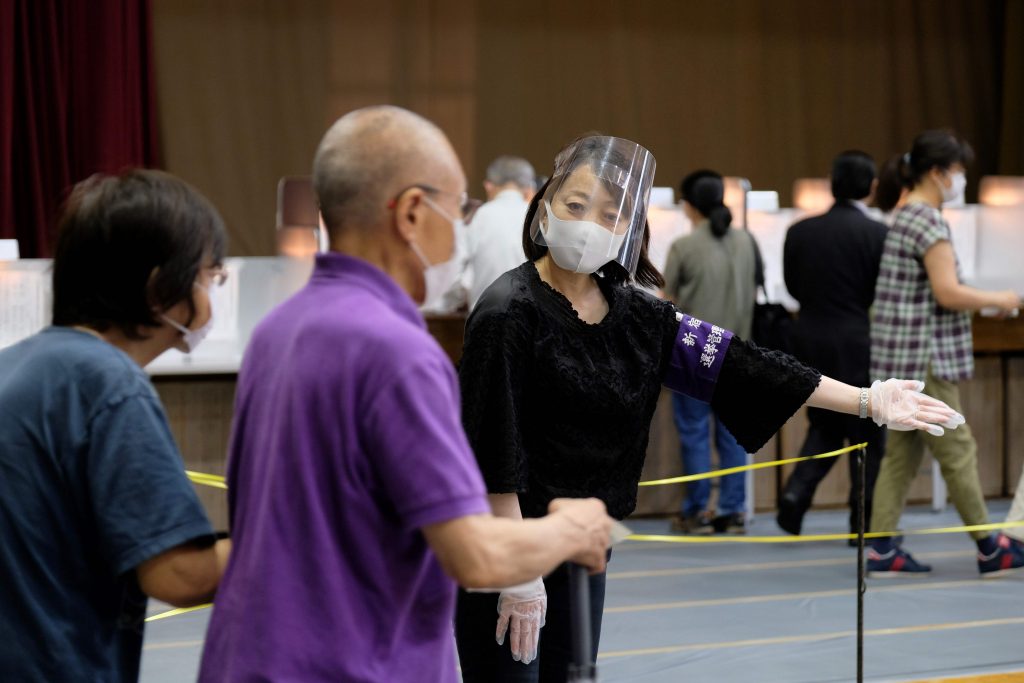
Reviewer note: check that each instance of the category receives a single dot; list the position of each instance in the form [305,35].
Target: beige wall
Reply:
[241,102]
[768,89]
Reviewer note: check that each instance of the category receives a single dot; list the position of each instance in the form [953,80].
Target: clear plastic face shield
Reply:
[595,208]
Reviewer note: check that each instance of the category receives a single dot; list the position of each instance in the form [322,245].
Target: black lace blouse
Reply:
[556,407]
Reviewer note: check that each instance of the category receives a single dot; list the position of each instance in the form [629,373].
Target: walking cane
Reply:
[581,668]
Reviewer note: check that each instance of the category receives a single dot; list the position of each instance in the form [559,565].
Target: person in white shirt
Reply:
[492,243]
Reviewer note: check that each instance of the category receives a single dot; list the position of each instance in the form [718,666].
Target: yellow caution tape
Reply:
[218,481]
[176,612]
[655,538]
[755,466]
[214,480]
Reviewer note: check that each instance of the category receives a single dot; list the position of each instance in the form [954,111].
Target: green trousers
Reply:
[957,455]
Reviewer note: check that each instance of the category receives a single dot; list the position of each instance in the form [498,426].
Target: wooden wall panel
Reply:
[241,102]
[766,89]
[663,461]
[199,409]
[418,55]
[982,398]
[1014,422]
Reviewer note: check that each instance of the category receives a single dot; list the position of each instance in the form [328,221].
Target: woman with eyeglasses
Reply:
[564,360]
[96,512]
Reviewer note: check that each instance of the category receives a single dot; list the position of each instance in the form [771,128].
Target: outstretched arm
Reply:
[754,390]
[895,403]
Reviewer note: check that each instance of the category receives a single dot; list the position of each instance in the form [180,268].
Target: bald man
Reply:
[352,490]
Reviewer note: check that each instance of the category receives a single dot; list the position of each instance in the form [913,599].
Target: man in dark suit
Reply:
[830,264]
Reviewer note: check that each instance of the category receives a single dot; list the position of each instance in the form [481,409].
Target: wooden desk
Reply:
[992,335]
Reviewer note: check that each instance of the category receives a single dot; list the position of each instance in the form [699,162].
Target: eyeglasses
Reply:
[465,206]
[218,276]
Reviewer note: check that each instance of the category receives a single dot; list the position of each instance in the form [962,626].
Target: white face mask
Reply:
[192,338]
[580,246]
[439,277]
[954,194]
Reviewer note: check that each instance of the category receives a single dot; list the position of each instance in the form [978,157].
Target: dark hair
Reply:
[931,149]
[853,172]
[129,247]
[647,274]
[704,190]
[890,189]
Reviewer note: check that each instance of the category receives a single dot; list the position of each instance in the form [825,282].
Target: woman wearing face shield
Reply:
[921,328]
[564,360]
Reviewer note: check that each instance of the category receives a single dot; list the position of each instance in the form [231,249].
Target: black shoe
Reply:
[699,524]
[790,517]
[736,523]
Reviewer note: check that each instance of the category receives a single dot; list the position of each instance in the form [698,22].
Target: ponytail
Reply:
[705,191]
[892,179]
[721,218]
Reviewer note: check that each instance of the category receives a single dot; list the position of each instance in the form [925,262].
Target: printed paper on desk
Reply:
[22,306]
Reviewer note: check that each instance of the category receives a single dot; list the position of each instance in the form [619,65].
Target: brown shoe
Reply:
[699,524]
[735,523]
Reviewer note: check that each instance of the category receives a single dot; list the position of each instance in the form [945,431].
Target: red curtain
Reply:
[77,98]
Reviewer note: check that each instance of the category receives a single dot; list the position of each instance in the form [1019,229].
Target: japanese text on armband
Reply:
[697,357]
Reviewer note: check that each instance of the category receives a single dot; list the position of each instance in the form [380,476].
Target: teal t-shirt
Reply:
[91,486]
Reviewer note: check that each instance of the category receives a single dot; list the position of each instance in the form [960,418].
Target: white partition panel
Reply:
[989,242]
[769,229]
[24,299]
[1000,248]
[254,286]
[963,224]
[667,225]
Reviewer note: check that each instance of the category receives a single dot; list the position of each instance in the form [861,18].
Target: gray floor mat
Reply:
[768,613]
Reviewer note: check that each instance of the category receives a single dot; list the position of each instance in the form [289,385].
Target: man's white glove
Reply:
[899,404]
[521,611]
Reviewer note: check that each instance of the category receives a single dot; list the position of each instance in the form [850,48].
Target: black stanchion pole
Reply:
[861,585]
[581,669]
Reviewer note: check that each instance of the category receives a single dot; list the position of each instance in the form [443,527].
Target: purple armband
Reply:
[697,357]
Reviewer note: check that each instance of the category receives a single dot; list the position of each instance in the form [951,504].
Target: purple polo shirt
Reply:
[347,440]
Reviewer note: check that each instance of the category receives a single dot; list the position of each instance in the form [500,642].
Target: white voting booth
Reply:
[988,241]
[8,250]
[253,287]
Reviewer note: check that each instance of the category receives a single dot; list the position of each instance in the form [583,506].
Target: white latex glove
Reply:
[899,404]
[521,611]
